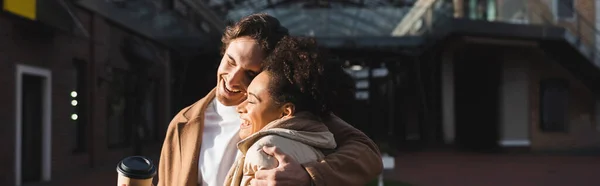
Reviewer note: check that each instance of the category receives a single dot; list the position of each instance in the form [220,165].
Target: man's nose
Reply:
[237,79]
[241,108]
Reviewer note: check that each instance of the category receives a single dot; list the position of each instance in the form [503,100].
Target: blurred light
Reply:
[361,95]
[74,116]
[356,67]
[74,102]
[362,84]
[380,72]
[73,94]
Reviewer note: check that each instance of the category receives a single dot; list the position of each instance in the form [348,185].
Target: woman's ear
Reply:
[288,109]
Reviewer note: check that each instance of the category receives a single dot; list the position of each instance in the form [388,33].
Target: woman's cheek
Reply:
[251,114]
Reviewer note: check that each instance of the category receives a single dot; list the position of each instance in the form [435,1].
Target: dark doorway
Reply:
[31,117]
[477,78]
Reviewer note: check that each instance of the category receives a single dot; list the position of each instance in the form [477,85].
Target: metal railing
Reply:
[423,18]
[581,32]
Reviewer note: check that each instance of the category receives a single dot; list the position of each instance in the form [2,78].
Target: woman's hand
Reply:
[288,172]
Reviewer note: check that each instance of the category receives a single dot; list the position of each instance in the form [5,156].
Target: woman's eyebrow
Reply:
[252,94]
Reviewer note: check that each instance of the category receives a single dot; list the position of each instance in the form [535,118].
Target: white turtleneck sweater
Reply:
[218,149]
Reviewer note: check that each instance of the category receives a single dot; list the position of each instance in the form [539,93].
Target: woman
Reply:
[284,106]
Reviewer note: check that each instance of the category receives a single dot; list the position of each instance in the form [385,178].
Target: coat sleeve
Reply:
[257,159]
[356,161]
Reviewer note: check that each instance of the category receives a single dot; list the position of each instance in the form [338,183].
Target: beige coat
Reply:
[301,137]
[356,160]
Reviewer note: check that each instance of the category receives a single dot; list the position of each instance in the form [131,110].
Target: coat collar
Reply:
[197,109]
[189,131]
[303,127]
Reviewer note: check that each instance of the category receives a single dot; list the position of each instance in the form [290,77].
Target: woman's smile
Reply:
[245,124]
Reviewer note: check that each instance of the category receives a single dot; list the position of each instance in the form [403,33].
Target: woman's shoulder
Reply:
[303,149]
[284,144]
[271,140]
[257,158]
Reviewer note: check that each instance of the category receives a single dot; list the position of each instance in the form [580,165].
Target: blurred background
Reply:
[460,92]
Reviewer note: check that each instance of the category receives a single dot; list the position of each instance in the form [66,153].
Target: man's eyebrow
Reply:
[228,55]
[254,72]
[252,94]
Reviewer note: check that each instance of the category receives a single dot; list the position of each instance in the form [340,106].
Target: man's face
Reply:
[240,64]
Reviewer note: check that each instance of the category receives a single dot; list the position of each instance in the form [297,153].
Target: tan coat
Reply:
[356,161]
[302,137]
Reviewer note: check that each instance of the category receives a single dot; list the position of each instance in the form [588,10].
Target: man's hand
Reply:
[288,172]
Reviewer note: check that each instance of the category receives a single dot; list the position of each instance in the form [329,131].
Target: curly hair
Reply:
[296,74]
[265,29]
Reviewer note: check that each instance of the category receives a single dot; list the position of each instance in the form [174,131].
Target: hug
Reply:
[269,120]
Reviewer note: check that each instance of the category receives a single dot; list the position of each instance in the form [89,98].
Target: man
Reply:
[200,144]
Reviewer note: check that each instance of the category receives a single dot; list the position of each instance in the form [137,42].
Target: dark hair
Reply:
[297,75]
[263,28]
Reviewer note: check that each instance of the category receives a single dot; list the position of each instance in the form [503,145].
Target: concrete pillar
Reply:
[514,103]
[447,82]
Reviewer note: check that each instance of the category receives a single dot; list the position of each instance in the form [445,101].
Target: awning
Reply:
[371,42]
[55,13]
[164,27]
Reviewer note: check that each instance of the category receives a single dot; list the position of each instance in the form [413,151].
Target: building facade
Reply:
[89,82]
[529,93]
[75,94]
[495,74]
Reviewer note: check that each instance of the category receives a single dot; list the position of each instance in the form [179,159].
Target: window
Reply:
[148,127]
[482,9]
[118,129]
[564,9]
[554,94]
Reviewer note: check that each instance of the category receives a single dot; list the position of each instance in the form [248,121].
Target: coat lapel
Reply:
[189,131]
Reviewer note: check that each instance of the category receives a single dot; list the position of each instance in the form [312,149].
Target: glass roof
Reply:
[333,22]
[331,18]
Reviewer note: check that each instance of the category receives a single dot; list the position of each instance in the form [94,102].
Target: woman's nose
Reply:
[241,108]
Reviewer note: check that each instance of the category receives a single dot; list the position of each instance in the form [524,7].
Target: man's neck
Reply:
[226,112]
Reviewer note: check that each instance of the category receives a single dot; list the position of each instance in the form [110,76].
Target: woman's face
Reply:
[259,108]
